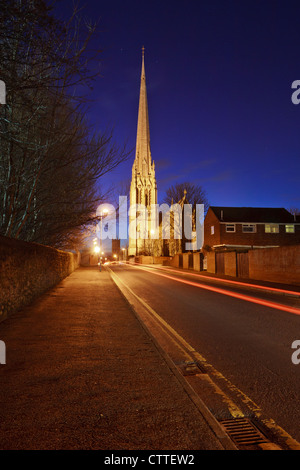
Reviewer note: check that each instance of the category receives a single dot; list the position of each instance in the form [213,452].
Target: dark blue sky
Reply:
[219,75]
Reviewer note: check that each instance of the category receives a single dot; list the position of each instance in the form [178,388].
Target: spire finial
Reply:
[143,51]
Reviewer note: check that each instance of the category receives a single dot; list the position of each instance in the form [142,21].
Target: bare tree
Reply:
[181,194]
[50,162]
[294,210]
[195,194]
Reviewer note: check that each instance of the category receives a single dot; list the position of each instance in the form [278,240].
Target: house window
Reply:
[230,227]
[271,228]
[249,228]
[290,228]
[212,229]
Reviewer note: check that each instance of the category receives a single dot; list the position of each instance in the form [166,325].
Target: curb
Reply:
[214,425]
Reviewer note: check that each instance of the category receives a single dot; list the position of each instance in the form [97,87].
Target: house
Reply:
[240,228]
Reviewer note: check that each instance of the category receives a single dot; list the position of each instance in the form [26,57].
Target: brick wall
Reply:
[175,261]
[198,261]
[211,262]
[230,263]
[187,260]
[276,264]
[280,265]
[27,270]
[211,221]
[144,259]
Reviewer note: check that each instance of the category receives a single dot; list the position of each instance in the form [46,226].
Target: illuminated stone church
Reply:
[143,192]
[143,189]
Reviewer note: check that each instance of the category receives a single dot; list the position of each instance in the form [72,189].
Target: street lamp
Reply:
[152,242]
[101,215]
[97,251]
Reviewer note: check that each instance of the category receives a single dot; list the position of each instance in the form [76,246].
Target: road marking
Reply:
[227,281]
[247,298]
[206,413]
[193,354]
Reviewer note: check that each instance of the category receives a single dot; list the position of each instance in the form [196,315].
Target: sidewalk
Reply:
[82,373]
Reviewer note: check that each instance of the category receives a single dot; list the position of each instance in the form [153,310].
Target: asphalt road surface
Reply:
[249,343]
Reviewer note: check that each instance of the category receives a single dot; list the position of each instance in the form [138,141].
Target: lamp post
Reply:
[102,214]
[97,251]
[152,241]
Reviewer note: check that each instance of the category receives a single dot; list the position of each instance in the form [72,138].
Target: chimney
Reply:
[221,215]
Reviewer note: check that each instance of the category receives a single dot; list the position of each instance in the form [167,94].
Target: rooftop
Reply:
[254,214]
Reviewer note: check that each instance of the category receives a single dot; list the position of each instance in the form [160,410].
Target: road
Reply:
[244,333]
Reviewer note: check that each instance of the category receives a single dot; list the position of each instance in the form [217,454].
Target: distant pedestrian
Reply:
[100,265]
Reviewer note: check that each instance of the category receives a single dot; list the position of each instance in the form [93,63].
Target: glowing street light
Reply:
[152,242]
[102,214]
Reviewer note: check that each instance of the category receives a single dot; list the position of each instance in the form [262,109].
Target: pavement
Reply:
[82,372]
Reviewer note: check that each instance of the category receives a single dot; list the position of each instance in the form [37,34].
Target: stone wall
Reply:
[27,270]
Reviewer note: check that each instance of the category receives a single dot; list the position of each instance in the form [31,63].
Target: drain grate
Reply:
[243,432]
[191,368]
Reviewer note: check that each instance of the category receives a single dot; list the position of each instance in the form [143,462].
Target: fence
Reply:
[281,264]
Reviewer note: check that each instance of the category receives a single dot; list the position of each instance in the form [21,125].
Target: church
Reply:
[143,188]
[143,193]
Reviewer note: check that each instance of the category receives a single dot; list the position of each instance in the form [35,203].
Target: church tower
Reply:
[143,189]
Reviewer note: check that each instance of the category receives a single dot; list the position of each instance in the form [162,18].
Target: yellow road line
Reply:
[195,355]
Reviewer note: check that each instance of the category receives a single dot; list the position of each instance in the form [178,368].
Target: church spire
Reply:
[143,154]
[143,188]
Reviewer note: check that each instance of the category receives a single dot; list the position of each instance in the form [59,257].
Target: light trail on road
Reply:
[226,281]
[247,298]
[245,351]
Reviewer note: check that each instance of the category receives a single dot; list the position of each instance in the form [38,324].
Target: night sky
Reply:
[219,76]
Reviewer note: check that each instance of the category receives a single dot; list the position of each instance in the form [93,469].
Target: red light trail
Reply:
[229,281]
[247,298]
